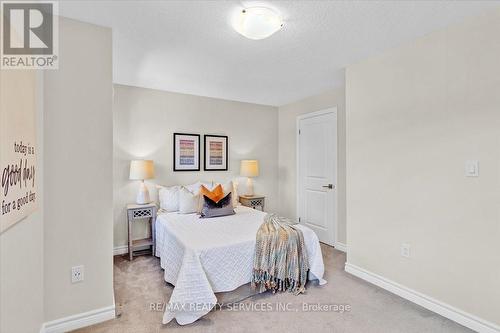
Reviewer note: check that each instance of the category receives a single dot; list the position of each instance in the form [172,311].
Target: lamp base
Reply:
[143,195]
[249,192]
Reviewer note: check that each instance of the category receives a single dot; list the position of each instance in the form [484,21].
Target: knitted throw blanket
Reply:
[280,262]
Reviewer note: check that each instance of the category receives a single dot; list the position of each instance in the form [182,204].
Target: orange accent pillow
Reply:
[215,195]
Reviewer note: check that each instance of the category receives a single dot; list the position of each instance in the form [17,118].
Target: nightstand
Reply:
[137,212]
[253,201]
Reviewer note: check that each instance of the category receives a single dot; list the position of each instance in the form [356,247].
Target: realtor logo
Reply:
[29,35]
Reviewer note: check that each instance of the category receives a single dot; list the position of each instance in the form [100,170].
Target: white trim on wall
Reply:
[79,320]
[123,249]
[333,110]
[463,318]
[119,250]
[340,246]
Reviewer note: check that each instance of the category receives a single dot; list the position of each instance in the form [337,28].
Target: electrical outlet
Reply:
[76,274]
[472,168]
[405,250]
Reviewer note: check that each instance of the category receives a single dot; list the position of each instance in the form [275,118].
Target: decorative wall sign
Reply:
[215,155]
[18,148]
[186,152]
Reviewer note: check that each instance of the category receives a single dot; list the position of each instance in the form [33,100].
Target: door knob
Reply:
[330,186]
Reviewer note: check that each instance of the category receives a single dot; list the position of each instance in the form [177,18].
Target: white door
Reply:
[317,173]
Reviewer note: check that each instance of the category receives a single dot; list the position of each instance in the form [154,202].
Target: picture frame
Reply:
[187,151]
[216,153]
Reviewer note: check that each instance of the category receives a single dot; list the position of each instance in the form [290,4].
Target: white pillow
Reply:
[169,198]
[188,201]
[231,187]
[195,188]
[236,199]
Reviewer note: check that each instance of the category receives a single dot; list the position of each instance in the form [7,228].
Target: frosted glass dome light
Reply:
[258,22]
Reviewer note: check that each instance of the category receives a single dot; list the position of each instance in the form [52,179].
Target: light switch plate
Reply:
[472,168]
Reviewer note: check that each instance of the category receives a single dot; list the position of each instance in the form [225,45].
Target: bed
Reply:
[201,257]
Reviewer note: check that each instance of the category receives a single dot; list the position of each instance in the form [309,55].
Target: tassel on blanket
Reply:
[280,260]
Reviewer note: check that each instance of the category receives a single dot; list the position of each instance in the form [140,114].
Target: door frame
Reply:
[332,110]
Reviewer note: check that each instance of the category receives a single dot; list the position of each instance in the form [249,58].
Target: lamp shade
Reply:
[141,169]
[249,168]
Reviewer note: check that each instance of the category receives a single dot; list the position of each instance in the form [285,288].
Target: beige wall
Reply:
[78,172]
[287,130]
[144,123]
[414,116]
[21,246]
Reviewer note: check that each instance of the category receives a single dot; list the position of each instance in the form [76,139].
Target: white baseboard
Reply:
[80,320]
[119,250]
[463,318]
[122,249]
[340,246]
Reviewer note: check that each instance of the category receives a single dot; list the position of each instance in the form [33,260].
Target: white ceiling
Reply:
[190,46]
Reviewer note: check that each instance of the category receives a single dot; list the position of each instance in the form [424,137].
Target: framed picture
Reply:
[186,152]
[216,152]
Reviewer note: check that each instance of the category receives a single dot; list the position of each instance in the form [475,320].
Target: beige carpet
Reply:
[140,283]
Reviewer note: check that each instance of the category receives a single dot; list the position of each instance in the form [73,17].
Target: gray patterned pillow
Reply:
[211,208]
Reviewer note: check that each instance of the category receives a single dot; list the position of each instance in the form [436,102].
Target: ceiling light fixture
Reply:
[257,22]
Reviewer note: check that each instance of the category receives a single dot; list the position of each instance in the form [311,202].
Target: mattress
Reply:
[201,257]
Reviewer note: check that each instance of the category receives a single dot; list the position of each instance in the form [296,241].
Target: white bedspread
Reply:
[204,256]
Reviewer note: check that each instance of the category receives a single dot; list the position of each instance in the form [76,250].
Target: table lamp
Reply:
[249,169]
[140,170]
